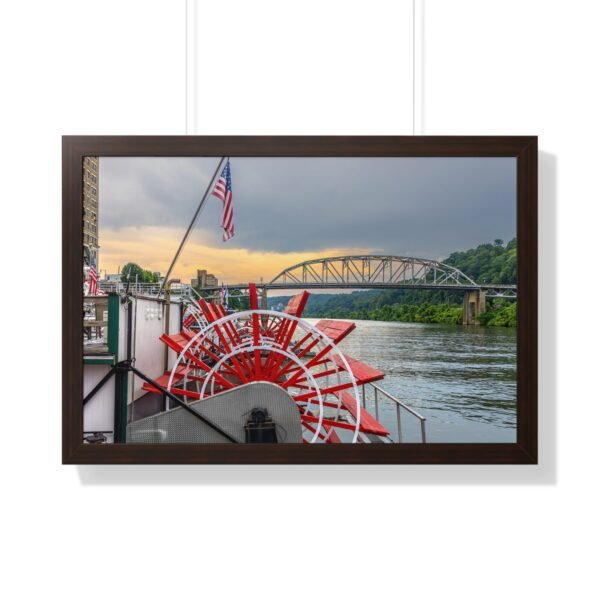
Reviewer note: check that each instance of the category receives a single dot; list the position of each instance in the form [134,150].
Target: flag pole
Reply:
[189,229]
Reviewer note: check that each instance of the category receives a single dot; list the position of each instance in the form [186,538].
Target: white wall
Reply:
[149,351]
[174,327]
[311,67]
[418,532]
[99,412]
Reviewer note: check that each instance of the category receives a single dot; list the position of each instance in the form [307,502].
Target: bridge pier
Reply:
[473,306]
[263,299]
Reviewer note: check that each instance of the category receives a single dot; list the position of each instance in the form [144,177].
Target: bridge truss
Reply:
[368,269]
[378,271]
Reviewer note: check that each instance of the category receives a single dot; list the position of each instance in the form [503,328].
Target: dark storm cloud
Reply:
[414,206]
[150,191]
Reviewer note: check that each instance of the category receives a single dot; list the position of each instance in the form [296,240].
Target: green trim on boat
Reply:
[120,426]
[113,324]
[99,360]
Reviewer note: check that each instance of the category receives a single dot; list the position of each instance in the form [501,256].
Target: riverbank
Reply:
[502,315]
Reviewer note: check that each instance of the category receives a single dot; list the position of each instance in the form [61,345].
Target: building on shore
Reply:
[204,279]
[91,243]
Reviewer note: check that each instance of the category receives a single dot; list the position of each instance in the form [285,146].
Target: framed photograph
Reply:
[299,300]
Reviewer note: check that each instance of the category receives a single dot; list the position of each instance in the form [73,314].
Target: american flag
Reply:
[224,297]
[223,192]
[93,277]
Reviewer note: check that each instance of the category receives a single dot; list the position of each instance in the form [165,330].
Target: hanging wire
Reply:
[188,7]
[190,74]
[187,129]
[414,66]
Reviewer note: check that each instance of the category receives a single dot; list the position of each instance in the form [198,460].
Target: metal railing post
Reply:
[399,422]
[399,407]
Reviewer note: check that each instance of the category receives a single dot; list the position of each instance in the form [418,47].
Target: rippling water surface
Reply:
[463,379]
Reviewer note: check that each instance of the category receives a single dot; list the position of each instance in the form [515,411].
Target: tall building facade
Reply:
[204,279]
[91,245]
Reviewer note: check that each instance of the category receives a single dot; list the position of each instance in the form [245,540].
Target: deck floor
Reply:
[95,347]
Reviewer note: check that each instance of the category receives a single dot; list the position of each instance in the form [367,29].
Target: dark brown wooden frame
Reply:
[524,451]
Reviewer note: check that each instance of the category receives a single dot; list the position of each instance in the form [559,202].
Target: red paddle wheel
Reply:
[226,351]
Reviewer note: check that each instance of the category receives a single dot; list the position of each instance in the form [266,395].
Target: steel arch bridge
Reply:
[377,271]
[373,270]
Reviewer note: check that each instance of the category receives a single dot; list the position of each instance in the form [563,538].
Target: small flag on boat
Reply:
[223,192]
[93,277]
[224,294]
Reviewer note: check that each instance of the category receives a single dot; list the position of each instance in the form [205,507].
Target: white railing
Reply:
[399,407]
[95,320]
[145,289]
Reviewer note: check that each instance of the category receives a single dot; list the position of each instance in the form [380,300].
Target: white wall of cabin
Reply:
[148,325]
[118,67]
[99,412]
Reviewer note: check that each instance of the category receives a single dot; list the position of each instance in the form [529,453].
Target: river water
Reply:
[462,378]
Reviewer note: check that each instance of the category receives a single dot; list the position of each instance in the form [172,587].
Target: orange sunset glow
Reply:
[154,247]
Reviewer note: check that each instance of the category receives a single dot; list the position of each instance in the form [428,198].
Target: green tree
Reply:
[132,271]
[488,263]
[150,277]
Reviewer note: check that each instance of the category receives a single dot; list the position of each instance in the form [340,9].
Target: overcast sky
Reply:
[288,209]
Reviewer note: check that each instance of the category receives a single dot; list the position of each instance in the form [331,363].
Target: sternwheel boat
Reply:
[250,376]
